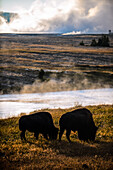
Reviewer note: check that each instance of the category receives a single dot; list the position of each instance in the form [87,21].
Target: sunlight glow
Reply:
[92,11]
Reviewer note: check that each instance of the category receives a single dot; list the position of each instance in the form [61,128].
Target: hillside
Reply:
[61,57]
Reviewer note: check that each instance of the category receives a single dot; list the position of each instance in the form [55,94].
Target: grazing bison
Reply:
[40,122]
[78,120]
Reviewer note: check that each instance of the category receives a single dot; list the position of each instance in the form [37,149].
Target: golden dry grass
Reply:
[43,154]
[56,49]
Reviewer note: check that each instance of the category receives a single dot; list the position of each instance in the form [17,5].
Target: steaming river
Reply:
[14,104]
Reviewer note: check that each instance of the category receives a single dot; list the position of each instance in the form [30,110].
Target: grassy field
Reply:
[43,154]
[61,57]
[71,67]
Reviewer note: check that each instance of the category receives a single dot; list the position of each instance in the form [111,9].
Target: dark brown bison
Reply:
[78,120]
[40,122]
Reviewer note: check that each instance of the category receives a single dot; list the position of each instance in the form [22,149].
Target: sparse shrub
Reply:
[81,43]
[41,74]
[93,43]
[102,42]
[99,42]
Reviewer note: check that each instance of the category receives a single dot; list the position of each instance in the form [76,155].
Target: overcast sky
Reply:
[15,5]
[82,16]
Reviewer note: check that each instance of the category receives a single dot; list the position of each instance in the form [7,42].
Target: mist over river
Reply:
[14,104]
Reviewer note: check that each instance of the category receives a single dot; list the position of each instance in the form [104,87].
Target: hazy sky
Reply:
[14,5]
[83,16]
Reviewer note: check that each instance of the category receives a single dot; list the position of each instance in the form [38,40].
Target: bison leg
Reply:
[68,135]
[61,133]
[45,136]
[36,134]
[22,135]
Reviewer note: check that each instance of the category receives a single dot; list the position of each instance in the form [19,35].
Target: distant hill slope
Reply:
[8,16]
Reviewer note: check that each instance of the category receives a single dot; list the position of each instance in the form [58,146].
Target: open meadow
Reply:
[59,63]
[61,57]
[45,154]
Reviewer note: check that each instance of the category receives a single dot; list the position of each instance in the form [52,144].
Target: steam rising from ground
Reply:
[62,16]
[47,86]
[63,84]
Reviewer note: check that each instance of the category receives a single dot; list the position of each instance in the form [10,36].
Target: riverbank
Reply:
[14,104]
[43,154]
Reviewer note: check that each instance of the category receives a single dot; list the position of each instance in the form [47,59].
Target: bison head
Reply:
[87,134]
[92,133]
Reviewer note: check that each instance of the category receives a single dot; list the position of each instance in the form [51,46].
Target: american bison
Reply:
[40,122]
[78,120]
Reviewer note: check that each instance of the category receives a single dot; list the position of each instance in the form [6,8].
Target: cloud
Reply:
[63,16]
